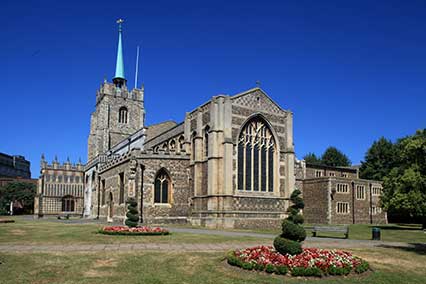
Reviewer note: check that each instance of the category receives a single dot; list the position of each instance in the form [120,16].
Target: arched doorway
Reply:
[110,208]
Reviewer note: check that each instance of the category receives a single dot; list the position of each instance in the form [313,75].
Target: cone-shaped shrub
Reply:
[292,231]
[132,213]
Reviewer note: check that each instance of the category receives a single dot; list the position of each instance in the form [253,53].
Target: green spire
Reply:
[119,68]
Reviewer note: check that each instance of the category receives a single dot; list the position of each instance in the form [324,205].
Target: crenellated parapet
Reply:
[56,165]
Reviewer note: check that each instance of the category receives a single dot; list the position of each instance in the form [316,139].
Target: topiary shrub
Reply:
[132,215]
[292,231]
[283,246]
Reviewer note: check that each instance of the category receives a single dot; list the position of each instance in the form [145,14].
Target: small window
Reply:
[172,145]
[181,143]
[376,190]
[162,187]
[121,185]
[374,210]
[342,188]
[342,208]
[332,174]
[360,192]
[345,175]
[318,174]
[122,115]
[103,193]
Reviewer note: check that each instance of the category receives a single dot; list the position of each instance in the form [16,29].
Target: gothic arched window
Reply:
[122,115]
[256,152]
[68,204]
[162,185]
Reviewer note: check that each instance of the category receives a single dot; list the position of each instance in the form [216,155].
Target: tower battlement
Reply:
[110,89]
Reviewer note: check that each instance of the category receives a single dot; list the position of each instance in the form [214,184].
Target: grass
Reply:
[406,233]
[117,267]
[44,232]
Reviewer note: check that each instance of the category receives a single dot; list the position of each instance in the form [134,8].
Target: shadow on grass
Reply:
[397,227]
[329,237]
[419,248]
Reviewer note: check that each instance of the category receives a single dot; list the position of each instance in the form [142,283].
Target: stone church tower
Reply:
[119,111]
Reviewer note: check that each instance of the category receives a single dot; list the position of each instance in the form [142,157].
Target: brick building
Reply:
[14,166]
[14,169]
[336,195]
[230,162]
[60,189]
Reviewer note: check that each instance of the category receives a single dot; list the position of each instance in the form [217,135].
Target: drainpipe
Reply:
[371,205]
[353,203]
[141,191]
[99,196]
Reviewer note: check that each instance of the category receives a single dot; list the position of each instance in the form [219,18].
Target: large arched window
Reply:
[162,185]
[256,157]
[68,204]
[122,115]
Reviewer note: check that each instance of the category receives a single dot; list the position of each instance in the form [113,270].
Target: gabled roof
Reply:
[257,89]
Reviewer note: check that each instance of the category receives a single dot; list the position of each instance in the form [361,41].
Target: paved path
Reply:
[264,239]
[201,247]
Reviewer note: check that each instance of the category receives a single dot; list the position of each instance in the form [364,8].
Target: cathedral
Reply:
[229,164]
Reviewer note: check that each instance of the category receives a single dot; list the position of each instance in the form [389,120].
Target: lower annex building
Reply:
[229,164]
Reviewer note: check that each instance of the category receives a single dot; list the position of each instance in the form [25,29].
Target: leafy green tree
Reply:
[404,188]
[22,192]
[379,160]
[335,158]
[311,158]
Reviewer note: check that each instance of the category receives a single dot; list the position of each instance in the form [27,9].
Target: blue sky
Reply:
[351,71]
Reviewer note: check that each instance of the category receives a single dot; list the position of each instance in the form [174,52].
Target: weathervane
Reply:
[258,83]
[119,22]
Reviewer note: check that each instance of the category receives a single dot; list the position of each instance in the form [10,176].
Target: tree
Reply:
[380,158]
[404,188]
[292,231]
[311,158]
[21,192]
[335,158]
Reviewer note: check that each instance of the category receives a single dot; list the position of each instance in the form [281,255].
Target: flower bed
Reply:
[136,231]
[311,262]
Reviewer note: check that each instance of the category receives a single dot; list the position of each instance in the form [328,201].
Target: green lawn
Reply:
[44,232]
[406,233]
[390,233]
[389,266]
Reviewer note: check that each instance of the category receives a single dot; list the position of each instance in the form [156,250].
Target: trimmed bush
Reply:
[281,269]
[364,266]
[306,271]
[270,268]
[292,231]
[132,214]
[284,246]
[339,270]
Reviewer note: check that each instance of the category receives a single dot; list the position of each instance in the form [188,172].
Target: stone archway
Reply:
[110,208]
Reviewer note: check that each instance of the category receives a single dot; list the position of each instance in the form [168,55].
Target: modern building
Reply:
[14,166]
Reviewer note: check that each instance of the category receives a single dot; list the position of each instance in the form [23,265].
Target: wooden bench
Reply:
[338,229]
